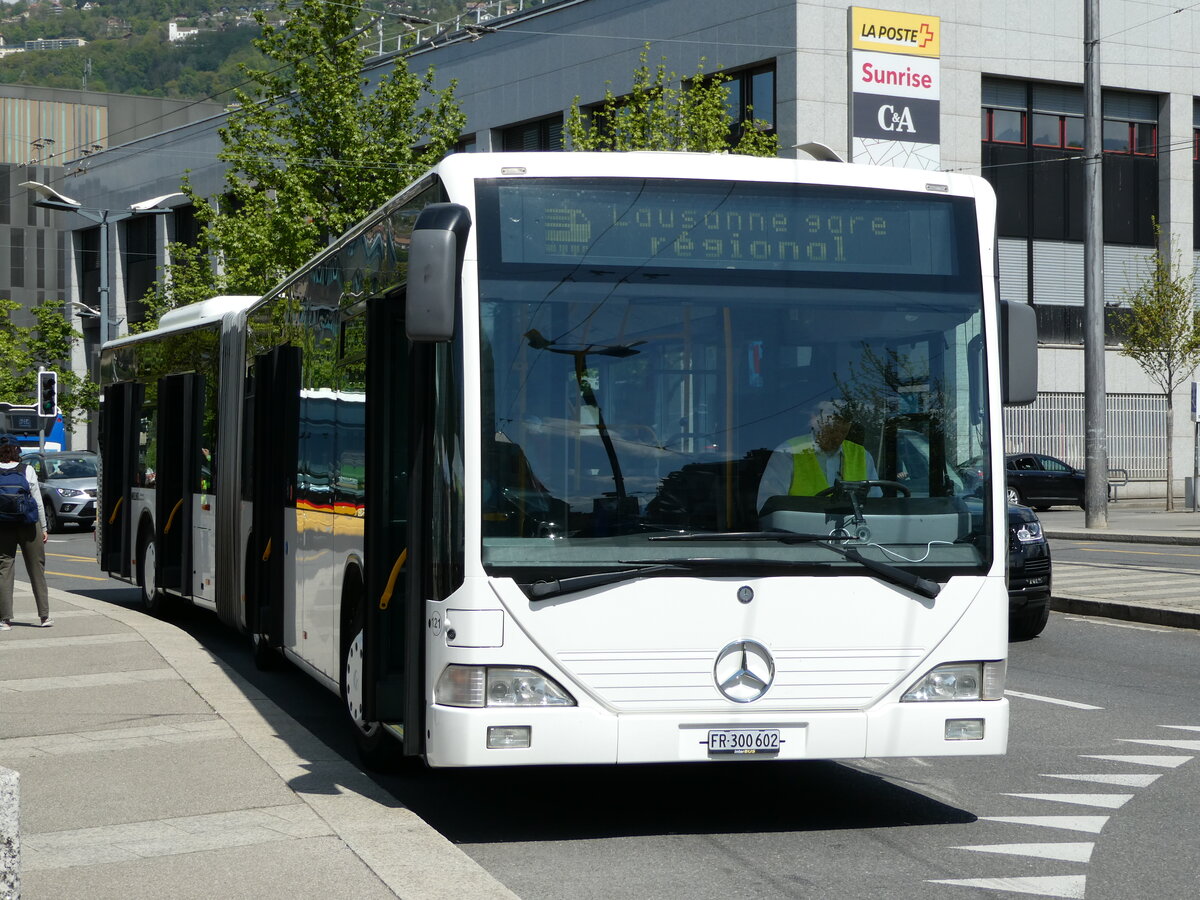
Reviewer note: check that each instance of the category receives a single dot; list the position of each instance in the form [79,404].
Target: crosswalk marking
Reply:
[1069,886]
[1067,852]
[1090,824]
[1166,762]
[1123,780]
[1174,745]
[1107,801]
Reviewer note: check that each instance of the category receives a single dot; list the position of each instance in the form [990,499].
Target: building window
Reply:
[16,258]
[1004,126]
[751,96]
[186,227]
[140,258]
[543,134]
[1050,130]
[1032,136]
[5,194]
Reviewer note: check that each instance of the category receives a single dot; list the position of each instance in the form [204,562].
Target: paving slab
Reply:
[150,769]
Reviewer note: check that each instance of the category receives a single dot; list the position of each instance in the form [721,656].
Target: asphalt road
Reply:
[1162,556]
[1096,795]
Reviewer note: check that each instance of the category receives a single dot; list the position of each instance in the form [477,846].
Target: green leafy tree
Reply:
[663,112]
[310,151]
[47,343]
[1162,332]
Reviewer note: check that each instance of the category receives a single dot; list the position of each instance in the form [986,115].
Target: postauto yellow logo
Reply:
[894,32]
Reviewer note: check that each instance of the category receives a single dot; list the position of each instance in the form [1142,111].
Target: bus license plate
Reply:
[743,740]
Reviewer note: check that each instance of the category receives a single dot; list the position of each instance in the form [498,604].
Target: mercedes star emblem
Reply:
[744,671]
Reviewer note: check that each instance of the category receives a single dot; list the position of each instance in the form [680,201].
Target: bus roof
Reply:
[195,314]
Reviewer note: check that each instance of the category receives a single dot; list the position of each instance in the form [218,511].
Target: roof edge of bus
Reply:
[206,311]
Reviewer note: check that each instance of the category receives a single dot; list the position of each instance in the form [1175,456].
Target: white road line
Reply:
[1174,745]
[1108,801]
[1109,624]
[1067,852]
[1069,886]
[1123,780]
[1070,703]
[1090,824]
[1165,762]
[1182,727]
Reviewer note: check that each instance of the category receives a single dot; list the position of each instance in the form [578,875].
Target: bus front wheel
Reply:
[375,747]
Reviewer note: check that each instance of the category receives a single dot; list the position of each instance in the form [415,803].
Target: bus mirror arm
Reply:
[435,260]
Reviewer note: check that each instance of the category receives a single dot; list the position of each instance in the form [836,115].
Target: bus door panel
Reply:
[392,641]
[273,458]
[203,548]
[315,557]
[180,405]
[119,455]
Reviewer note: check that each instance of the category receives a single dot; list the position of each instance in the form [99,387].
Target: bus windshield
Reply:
[707,358]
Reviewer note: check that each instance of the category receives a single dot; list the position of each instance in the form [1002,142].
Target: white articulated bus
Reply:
[492,465]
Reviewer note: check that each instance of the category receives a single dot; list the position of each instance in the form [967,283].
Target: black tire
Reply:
[1028,623]
[1014,496]
[377,749]
[52,524]
[266,657]
[154,601]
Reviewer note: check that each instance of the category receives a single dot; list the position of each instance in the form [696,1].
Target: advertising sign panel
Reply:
[895,88]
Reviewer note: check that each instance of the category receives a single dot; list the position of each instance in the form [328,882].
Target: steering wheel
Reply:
[846,487]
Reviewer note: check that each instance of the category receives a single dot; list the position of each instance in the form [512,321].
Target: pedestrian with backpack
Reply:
[23,526]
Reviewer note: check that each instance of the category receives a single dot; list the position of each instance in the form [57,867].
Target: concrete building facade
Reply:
[1008,106]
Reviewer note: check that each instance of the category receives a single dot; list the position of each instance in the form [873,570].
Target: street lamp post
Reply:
[49,198]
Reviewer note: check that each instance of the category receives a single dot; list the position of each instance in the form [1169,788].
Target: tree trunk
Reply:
[1170,453]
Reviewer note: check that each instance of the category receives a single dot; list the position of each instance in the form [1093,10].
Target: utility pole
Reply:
[1095,392]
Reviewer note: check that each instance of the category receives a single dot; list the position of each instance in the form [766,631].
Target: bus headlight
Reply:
[959,681]
[477,686]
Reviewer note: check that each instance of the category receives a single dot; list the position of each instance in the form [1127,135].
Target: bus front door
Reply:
[275,418]
[180,402]
[394,615]
[119,455]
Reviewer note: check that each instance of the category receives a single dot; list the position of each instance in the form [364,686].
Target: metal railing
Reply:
[1136,426]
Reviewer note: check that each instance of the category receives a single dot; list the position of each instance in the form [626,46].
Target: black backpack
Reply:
[17,505]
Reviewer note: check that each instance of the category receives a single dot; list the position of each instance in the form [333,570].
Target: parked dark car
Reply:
[1041,481]
[68,481]
[1028,574]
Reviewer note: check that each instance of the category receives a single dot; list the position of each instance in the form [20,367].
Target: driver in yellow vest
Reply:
[806,465]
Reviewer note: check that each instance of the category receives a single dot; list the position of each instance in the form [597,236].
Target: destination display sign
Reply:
[742,225]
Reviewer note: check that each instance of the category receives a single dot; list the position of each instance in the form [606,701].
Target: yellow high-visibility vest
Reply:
[808,478]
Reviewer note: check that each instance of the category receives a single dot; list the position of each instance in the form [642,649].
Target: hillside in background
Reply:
[128,51]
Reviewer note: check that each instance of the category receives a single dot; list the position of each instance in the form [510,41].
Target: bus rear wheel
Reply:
[377,750]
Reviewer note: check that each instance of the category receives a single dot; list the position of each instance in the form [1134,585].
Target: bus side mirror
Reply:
[1019,356]
[435,257]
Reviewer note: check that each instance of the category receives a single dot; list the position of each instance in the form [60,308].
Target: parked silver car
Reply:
[68,483]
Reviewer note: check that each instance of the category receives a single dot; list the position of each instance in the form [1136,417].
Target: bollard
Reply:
[10,835]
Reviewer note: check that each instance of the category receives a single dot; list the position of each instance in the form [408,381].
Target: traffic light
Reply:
[48,394]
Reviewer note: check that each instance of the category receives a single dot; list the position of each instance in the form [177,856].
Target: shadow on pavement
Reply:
[506,805]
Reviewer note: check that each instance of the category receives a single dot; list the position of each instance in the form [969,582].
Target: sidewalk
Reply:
[149,769]
[1158,596]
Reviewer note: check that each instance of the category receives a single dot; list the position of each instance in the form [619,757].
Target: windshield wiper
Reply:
[542,590]
[886,571]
